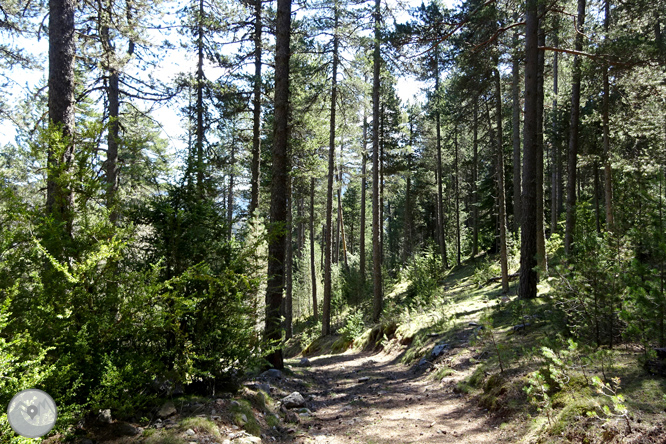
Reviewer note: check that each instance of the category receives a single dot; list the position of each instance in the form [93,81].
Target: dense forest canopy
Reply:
[187,181]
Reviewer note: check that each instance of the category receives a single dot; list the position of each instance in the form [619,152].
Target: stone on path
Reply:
[293,400]
[272,373]
[167,409]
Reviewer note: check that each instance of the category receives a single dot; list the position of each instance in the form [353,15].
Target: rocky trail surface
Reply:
[373,398]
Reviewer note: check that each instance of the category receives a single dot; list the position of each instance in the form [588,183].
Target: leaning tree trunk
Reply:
[573,133]
[279,184]
[62,50]
[528,276]
[377,300]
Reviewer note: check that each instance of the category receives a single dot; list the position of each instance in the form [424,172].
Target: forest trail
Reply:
[373,398]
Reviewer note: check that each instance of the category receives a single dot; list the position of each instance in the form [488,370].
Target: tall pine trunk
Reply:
[364,172]
[573,132]
[377,299]
[555,150]
[541,235]
[515,128]
[256,111]
[440,177]
[500,183]
[326,309]
[279,184]
[528,248]
[62,50]
[608,172]
[289,253]
[475,179]
[313,269]
[200,107]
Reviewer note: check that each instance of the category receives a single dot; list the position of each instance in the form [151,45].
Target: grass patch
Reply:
[199,424]
[164,437]
[243,417]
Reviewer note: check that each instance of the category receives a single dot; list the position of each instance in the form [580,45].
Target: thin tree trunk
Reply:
[457,193]
[528,276]
[230,196]
[326,309]
[313,270]
[256,111]
[500,183]
[279,184]
[200,108]
[407,242]
[475,179]
[597,210]
[62,51]
[515,128]
[440,193]
[361,241]
[573,134]
[608,172]
[542,260]
[377,300]
[289,263]
[555,151]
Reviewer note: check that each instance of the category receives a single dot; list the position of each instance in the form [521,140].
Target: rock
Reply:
[235,404]
[105,416]
[190,432]
[226,441]
[293,400]
[272,373]
[305,362]
[423,362]
[126,429]
[364,379]
[167,409]
[292,417]
[243,418]
[305,410]
[521,326]
[438,350]
[473,324]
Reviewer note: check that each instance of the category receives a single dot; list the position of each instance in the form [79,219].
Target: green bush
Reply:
[423,271]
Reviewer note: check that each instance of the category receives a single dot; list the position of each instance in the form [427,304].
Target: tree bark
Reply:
[407,242]
[279,184]
[256,111]
[608,171]
[457,194]
[200,107]
[62,51]
[440,194]
[475,179]
[326,309]
[528,278]
[377,300]
[313,269]
[555,151]
[515,128]
[289,252]
[361,241]
[230,195]
[573,133]
[500,182]
[542,260]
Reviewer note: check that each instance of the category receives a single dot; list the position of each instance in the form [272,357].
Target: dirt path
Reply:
[363,398]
